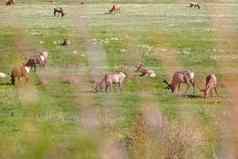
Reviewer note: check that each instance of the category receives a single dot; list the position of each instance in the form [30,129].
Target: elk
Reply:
[40,59]
[181,77]
[194,5]
[115,9]
[20,72]
[59,12]
[10,2]
[65,42]
[210,85]
[145,71]
[109,79]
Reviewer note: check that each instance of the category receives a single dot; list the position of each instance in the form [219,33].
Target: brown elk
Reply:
[20,72]
[59,12]
[186,77]
[10,2]
[109,79]
[145,71]
[210,85]
[40,59]
[115,9]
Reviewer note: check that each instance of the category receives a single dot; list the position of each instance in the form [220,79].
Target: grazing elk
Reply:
[109,79]
[115,9]
[186,77]
[59,12]
[10,2]
[40,59]
[211,84]
[145,71]
[20,72]
[194,5]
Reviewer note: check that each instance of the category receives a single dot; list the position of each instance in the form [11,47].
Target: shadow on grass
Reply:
[192,96]
[5,84]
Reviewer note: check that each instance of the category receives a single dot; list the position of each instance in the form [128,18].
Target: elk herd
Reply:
[186,77]
[115,79]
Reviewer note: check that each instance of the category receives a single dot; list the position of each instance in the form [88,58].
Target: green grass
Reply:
[47,126]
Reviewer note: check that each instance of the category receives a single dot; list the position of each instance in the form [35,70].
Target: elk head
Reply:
[138,67]
[169,86]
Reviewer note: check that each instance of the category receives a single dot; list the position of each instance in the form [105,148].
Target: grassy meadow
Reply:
[58,114]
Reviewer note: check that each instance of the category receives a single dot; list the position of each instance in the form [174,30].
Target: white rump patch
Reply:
[42,58]
[2,75]
[27,69]
[191,75]
[45,54]
[152,75]
[123,74]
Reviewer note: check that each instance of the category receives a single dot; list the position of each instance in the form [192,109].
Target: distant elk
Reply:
[59,12]
[115,9]
[181,77]
[145,71]
[40,59]
[109,79]
[19,73]
[10,2]
[194,5]
[210,85]
[65,42]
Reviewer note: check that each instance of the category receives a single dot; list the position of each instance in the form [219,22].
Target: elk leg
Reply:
[13,80]
[119,86]
[106,88]
[34,67]
[187,88]
[193,84]
[215,88]
[211,92]
[111,87]
[178,88]
[26,78]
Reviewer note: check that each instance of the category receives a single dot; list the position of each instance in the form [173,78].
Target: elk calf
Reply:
[211,84]
[180,77]
[59,12]
[145,71]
